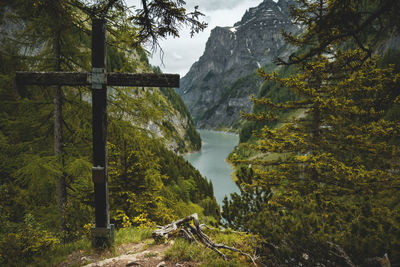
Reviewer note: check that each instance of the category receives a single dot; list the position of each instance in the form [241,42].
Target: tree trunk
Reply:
[58,134]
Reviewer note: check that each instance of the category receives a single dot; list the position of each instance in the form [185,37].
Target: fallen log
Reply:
[194,234]
[163,232]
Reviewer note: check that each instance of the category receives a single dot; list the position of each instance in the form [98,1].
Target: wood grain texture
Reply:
[84,79]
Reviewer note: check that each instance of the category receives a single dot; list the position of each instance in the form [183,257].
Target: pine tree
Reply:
[335,182]
[42,36]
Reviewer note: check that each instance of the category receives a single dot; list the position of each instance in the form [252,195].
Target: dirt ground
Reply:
[143,254]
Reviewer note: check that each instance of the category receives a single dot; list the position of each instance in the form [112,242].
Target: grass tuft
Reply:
[61,252]
[183,251]
[132,235]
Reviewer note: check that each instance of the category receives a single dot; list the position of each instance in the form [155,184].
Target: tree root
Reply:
[190,232]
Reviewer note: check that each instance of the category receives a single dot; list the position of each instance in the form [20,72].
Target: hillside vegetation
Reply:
[318,166]
[46,195]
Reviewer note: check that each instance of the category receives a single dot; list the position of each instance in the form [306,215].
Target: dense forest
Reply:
[318,168]
[46,132]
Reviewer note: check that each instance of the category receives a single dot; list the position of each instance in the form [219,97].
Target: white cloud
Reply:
[176,56]
[212,5]
[205,5]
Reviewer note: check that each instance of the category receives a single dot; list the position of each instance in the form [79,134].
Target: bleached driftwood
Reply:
[163,232]
[195,234]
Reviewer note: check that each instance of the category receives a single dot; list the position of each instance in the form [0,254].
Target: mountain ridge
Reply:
[218,85]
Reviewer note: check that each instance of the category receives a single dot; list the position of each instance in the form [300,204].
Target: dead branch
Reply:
[191,231]
[340,253]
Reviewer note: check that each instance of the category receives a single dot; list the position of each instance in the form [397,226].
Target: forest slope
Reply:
[148,182]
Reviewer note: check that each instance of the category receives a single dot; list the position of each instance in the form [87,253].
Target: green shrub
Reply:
[182,250]
[28,241]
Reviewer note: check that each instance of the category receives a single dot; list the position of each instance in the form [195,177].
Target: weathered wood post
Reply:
[103,233]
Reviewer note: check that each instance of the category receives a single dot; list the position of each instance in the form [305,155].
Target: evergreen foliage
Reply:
[192,135]
[332,194]
[141,174]
[276,94]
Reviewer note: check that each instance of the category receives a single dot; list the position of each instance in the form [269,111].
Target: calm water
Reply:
[210,161]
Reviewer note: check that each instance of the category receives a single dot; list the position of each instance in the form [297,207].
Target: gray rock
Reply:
[217,86]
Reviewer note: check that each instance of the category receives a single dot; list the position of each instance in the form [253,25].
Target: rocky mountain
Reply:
[217,86]
[163,115]
[158,111]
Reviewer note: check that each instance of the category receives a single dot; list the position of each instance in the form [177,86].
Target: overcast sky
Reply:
[181,53]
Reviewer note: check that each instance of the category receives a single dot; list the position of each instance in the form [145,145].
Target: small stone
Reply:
[133,263]
[305,256]
[161,264]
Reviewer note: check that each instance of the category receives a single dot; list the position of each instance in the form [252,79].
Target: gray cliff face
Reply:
[218,86]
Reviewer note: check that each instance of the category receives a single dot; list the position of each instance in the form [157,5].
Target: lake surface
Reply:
[210,161]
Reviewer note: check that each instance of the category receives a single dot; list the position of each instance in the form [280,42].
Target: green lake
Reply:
[210,161]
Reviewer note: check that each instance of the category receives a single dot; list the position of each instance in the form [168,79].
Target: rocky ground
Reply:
[145,254]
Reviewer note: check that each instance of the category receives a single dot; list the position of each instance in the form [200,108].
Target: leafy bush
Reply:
[28,241]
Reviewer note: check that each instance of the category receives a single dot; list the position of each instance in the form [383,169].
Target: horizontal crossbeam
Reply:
[85,78]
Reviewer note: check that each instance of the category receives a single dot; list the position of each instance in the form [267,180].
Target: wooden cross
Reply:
[99,79]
